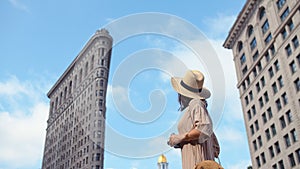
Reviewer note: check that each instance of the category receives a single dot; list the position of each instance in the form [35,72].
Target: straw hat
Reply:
[191,85]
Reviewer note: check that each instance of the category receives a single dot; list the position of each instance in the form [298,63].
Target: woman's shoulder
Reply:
[197,102]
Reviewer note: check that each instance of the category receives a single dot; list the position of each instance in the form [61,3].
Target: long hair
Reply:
[183,101]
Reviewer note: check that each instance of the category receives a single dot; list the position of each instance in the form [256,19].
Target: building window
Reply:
[292,160]
[274,87]
[277,147]
[284,98]
[272,48]
[255,56]
[281,165]
[293,67]
[245,69]
[240,46]
[298,154]
[97,157]
[248,81]
[86,69]
[244,86]
[280,3]
[287,140]
[261,103]
[250,30]
[256,125]
[280,81]
[246,100]
[274,166]
[284,33]
[295,42]
[264,117]
[288,50]
[263,82]
[265,27]
[249,115]
[267,56]
[252,129]
[262,13]
[268,38]
[277,66]
[269,110]
[251,95]
[259,66]
[262,155]
[258,161]
[297,84]
[253,44]
[294,135]
[253,110]
[254,72]
[291,25]
[285,14]
[278,104]
[257,87]
[266,97]
[254,145]
[271,73]
[273,129]
[282,122]
[243,58]
[268,135]
[271,151]
[289,116]
[259,141]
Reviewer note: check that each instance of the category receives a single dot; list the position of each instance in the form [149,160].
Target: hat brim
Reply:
[204,94]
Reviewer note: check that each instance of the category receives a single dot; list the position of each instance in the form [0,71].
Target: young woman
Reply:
[196,137]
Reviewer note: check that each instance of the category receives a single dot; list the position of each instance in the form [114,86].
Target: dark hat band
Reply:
[190,88]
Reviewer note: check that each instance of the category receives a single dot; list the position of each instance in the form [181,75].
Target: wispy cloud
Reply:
[22,123]
[219,26]
[19,5]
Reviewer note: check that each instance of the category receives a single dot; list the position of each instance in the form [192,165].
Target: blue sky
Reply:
[39,39]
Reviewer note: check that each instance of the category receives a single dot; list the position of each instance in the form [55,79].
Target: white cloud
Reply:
[17,4]
[22,123]
[220,25]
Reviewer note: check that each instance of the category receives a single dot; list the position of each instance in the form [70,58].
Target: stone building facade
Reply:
[76,122]
[265,44]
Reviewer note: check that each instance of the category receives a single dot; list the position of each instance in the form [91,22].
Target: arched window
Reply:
[86,68]
[80,75]
[66,91]
[92,62]
[239,46]
[70,87]
[75,82]
[250,30]
[261,13]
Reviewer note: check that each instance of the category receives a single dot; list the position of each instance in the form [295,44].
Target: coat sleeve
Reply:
[201,121]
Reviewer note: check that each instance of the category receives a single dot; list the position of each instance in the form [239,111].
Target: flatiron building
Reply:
[76,121]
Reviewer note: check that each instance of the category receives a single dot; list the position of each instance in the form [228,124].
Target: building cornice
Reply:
[239,23]
[99,33]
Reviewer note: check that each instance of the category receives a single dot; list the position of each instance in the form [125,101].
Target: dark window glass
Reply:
[253,44]
[284,34]
[265,27]
[268,39]
[243,59]
[277,147]
[295,42]
[289,116]
[268,136]
[293,67]
[282,122]
[297,84]
[273,129]
[285,14]
[271,151]
[262,13]
[255,56]
[292,160]
[280,3]
[288,50]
